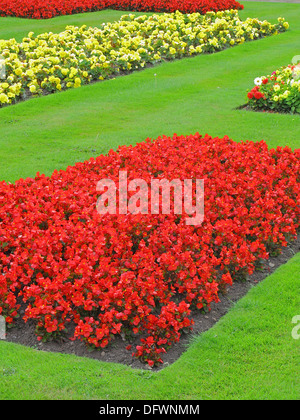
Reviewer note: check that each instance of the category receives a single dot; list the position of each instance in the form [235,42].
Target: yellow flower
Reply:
[18,71]
[3,98]
[286,94]
[29,73]
[77,82]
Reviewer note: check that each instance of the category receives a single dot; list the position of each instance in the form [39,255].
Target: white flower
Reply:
[258,81]
[296,72]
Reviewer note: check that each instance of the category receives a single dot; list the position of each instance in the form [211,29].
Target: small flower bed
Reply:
[41,9]
[53,62]
[278,92]
[142,274]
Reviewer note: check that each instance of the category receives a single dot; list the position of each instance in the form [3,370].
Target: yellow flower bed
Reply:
[53,62]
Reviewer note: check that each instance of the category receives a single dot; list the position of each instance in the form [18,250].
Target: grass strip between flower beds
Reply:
[140,274]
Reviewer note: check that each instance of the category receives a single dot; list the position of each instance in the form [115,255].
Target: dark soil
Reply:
[268,111]
[116,352]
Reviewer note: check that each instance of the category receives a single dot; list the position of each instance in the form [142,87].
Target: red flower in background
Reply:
[41,9]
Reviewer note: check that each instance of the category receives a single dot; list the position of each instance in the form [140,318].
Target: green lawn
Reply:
[250,353]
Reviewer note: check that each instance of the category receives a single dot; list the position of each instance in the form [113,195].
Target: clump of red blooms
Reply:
[41,9]
[142,275]
[256,93]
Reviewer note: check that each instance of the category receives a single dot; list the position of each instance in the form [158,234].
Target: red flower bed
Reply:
[142,273]
[40,9]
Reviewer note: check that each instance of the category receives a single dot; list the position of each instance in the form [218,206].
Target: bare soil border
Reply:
[247,107]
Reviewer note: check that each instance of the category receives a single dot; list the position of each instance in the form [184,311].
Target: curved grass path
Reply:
[250,353]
